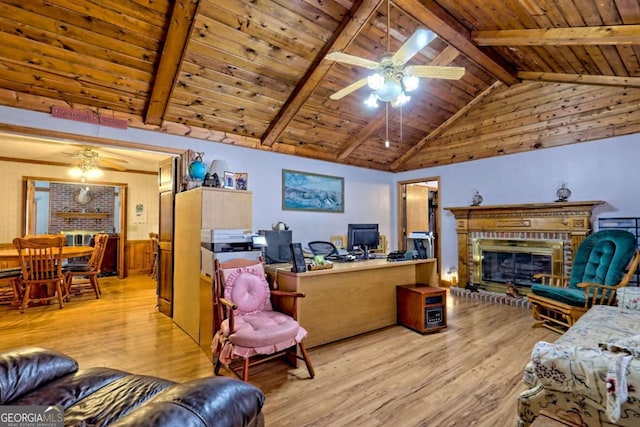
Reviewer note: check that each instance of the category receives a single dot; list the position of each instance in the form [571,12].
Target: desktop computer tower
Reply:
[277,249]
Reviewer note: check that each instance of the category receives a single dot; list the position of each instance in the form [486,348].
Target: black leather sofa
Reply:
[104,396]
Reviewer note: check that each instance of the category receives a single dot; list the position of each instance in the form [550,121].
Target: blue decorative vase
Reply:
[197,169]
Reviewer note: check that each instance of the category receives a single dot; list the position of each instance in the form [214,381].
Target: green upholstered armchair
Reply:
[603,263]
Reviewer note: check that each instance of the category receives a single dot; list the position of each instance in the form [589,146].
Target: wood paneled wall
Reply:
[138,256]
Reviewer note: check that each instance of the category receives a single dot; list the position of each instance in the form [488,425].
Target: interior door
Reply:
[417,206]
[418,211]
[167,179]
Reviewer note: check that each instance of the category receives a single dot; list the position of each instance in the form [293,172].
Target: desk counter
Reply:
[352,297]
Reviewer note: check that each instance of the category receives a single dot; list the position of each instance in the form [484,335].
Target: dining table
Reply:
[11,254]
[9,257]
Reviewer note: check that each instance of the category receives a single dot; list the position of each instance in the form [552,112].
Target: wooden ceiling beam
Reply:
[581,79]
[344,35]
[590,36]
[400,161]
[181,22]
[438,20]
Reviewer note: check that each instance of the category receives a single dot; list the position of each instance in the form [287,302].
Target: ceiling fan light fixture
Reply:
[375,81]
[400,100]
[410,83]
[372,100]
[75,172]
[86,169]
[389,90]
[93,173]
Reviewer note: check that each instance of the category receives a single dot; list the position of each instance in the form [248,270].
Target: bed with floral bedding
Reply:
[591,374]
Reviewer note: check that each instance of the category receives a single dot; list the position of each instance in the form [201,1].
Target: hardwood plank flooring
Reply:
[467,374]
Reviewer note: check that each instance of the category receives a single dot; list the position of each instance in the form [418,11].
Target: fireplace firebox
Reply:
[500,261]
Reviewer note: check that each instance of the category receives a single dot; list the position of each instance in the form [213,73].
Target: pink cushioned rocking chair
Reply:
[247,326]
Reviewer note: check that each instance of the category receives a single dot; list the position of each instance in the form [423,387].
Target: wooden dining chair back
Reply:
[10,292]
[248,328]
[41,263]
[80,278]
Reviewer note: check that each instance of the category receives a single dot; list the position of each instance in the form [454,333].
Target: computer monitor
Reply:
[365,236]
[277,249]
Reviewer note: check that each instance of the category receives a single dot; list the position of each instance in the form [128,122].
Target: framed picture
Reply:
[312,192]
[242,179]
[229,179]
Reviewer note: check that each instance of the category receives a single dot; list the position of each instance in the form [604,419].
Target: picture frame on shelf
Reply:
[229,180]
[241,180]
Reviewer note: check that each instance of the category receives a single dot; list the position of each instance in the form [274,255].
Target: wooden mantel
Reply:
[573,218]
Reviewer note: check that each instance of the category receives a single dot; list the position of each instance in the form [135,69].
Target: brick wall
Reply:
[62,198]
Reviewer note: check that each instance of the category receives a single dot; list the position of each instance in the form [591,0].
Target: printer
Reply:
[226,244]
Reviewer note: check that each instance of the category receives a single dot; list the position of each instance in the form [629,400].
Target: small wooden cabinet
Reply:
[422,308]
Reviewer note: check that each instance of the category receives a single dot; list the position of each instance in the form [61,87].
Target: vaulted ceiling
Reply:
[538,73]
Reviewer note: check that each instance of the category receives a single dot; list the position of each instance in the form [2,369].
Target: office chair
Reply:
[598,271]
[326,249]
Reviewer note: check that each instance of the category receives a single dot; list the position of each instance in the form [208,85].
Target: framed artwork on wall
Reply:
[312,192]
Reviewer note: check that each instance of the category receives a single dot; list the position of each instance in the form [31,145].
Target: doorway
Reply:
[418,211]
[100,208]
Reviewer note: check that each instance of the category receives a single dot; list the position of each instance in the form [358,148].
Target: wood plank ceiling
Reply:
[538,73]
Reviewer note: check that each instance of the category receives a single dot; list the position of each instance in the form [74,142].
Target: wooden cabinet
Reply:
[196,209]
[109,266]
[422,308]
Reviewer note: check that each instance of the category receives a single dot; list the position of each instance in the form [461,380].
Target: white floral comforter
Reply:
[591,374]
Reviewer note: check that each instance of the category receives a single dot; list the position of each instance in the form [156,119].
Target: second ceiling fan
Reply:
[392,77]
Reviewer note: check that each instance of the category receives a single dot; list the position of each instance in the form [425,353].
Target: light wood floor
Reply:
[468,374]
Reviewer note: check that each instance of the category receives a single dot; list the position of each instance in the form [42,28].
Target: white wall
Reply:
[601,170]
[367,192]
[607,170]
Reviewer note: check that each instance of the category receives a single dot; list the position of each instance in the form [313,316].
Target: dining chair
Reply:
[41,263]
[10,292]
[80,278]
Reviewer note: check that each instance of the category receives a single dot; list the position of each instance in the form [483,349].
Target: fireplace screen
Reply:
[515,261]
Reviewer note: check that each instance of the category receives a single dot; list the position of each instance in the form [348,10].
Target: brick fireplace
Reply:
[518,240]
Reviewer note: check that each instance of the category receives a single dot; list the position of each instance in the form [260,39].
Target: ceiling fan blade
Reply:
[347,90]
[112,163]
[435,71]
[353,60]
[413,45]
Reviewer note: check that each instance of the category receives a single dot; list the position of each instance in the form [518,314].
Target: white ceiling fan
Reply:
[392,78]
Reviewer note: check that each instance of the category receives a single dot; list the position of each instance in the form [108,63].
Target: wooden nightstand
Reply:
[422,308]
